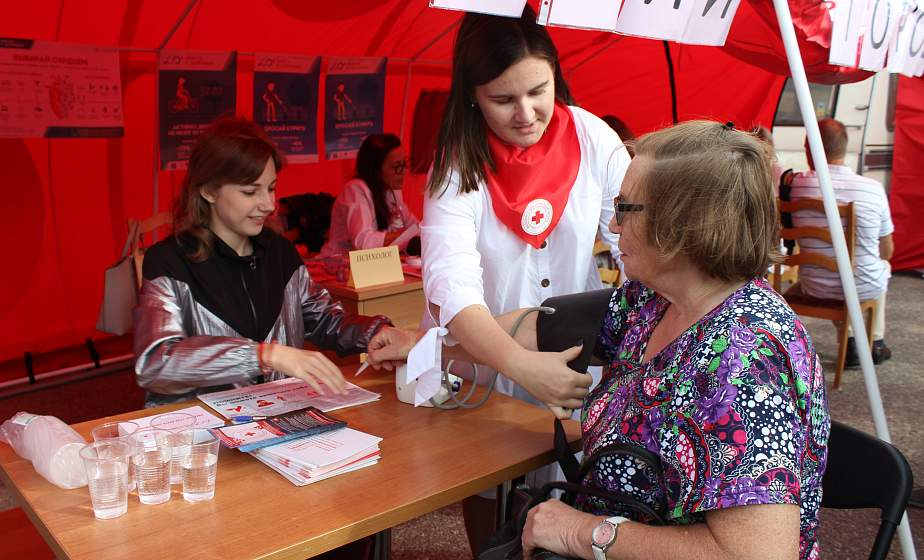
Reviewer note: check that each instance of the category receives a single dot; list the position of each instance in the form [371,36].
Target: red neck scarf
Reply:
[529,190]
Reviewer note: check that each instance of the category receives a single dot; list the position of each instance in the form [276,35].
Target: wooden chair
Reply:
[831,309]
[146,227]
[608,274]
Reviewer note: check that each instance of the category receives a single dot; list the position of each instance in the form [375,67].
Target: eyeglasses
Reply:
[622,208]
[400,166]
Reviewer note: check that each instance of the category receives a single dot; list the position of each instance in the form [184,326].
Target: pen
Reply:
[361,368]
[245,419]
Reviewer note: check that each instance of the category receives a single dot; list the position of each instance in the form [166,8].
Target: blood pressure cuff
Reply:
[577,318]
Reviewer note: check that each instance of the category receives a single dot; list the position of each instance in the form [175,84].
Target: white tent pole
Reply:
[806,108]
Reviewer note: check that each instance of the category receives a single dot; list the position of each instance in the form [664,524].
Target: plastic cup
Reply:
[106,463]
[175,422]
[114,430]
[120,431]
[199,463]
[151,458]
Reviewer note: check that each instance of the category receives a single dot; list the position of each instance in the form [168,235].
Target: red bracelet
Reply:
[264,367]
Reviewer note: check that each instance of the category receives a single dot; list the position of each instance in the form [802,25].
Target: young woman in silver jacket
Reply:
[226,302]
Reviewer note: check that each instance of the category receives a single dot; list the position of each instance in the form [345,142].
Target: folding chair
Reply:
[803,304]
[865,472]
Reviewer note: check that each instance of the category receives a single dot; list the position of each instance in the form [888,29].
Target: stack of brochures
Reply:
[306,460]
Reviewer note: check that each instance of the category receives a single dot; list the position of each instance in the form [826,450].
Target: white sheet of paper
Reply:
[511,8]
[711,28]
[424,364]
[406,235]
[658,20]
[204,418]
[847,19]
[582,14]
[881,22]
[284,395]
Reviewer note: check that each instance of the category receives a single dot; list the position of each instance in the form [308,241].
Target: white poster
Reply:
[847,16]
[881,22]
[512,8]
[582,14]
[709,22]
[656,19]
[59,90]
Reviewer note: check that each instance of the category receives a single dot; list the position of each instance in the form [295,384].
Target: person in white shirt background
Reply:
[873,245]
[521,184]
[370,211]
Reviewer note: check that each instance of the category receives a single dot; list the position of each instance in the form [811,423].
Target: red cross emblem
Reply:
[537,217]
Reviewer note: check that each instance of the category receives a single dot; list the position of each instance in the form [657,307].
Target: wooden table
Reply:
[430,459]
[402,302]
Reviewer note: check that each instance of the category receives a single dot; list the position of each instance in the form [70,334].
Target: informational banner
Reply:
[512,8]
[58,90]
[354,104]
[699,22]
[194,88]
[285,102]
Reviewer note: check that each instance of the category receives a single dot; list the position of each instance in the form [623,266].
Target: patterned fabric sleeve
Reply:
[624,308]
[743,439]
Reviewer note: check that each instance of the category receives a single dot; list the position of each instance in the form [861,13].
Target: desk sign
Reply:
[372,267]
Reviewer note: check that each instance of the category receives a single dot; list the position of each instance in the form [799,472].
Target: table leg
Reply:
[382,545]
[503,508]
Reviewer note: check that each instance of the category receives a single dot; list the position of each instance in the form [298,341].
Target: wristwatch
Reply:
[604,536]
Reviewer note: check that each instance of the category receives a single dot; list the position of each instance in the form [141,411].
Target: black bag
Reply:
[786,217]
[506,543]
[576,317]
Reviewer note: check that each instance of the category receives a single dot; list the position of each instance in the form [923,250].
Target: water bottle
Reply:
[51,445]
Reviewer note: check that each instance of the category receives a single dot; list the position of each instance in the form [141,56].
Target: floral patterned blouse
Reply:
[735,408]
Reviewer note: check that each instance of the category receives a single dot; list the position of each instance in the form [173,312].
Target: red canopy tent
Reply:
[71,197]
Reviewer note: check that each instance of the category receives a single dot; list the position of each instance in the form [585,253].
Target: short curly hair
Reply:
[708,195]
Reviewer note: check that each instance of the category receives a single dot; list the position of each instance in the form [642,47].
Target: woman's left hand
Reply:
[559,528]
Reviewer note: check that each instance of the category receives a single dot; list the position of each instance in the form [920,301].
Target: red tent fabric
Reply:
[906,198]
[71,198]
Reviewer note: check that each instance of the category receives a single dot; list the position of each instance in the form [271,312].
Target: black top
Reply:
[244,292]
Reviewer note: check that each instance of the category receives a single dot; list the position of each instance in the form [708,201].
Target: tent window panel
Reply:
[823,96]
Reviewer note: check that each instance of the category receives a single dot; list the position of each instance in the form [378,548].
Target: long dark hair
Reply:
[485,47]
[369,160]
[230,151]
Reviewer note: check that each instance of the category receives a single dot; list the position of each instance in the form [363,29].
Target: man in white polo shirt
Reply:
[873,247]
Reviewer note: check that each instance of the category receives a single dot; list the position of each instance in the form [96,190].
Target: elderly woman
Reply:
[708,369]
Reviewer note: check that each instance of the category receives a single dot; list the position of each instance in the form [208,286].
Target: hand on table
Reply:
[559,528]
[390,346]
[313,367]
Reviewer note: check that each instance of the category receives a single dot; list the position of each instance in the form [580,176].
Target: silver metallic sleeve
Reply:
[179,345]
[328,325]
